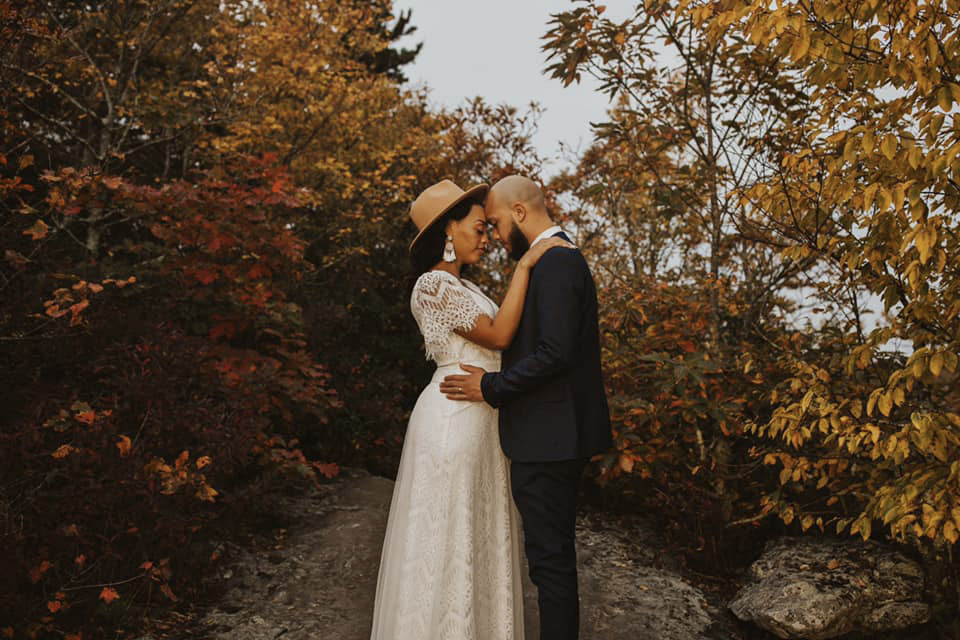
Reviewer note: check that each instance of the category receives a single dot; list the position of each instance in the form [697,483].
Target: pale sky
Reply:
[492,49]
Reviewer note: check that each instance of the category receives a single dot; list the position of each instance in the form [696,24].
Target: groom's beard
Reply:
[518,243]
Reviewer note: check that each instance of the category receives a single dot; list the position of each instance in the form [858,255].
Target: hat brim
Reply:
[480,189]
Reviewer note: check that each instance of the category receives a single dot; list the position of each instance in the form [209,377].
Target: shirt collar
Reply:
[546,234]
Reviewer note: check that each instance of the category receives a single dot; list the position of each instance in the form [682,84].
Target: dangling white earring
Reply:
[449,255]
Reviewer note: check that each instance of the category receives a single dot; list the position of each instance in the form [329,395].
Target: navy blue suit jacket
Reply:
[550,387]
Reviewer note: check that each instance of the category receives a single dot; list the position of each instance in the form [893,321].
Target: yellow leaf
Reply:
[939,449]
[936,364]
[925,240]
[884,404]
[63,451]
[850,149]
[950,531]
[936,124]
[899,196]
[787,515]
[207,493]
[800,45]
[856,409]
[889,146]
[884,200]
[919,367]
[914,157]
[944,98]
[868,195]
[950,360]
[785,474]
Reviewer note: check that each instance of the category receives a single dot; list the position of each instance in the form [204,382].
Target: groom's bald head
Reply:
[516,208]
[518,190]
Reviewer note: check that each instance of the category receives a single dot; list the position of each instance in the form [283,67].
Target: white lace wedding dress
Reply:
[450,565]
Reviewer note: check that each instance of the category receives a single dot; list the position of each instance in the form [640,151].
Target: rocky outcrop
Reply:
[817,588]
[629,588]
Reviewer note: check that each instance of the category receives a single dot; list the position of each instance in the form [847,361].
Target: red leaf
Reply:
[205,276]
[224,329]
[109,594]
[80,306]
[37,231]
[328,469]
[54,311]
[124,445]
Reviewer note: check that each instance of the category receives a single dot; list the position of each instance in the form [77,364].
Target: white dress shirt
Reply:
[546,234]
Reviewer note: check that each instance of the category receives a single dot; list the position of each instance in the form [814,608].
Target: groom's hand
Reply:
[464,387]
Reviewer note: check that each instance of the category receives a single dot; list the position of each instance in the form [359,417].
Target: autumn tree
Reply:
[205,242]
[657,201]
[824,136]
[869,185]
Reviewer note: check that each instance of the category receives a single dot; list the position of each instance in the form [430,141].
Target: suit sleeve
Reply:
[559,299]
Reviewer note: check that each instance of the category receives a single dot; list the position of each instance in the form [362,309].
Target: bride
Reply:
[450,565]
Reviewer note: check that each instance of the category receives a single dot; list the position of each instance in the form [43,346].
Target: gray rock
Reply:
[814,588]
[625,593]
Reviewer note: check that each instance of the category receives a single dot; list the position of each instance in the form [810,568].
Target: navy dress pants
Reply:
[546,497]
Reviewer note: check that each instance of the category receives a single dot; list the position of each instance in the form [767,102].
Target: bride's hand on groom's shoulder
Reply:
[464,387]
[534,253]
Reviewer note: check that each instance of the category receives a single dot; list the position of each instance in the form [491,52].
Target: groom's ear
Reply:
[519,212]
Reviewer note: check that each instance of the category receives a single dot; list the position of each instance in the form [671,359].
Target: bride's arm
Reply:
[498,332]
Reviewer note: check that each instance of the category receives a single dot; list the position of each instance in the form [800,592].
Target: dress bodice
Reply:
[442,303]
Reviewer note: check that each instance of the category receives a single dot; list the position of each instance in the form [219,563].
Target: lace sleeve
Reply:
[440,304]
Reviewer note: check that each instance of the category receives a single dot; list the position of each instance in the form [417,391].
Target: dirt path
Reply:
[317,577]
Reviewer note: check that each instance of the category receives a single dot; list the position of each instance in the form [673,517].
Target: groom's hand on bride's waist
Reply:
[464,387]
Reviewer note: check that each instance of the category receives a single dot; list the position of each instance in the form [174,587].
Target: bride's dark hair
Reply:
[429,248]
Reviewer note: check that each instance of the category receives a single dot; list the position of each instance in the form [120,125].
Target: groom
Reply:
[553,411]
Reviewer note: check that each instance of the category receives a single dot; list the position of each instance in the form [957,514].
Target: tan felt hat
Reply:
[436,200]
